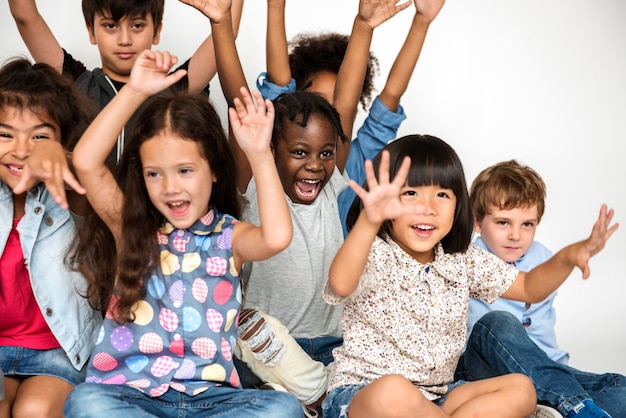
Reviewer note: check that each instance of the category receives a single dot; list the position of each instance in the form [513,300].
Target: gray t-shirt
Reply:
[289,285]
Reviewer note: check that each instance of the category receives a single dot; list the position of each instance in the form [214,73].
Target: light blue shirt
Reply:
[46,232]
[379,128]
[538,319]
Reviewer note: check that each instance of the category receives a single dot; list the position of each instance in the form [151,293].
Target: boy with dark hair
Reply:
[120,29]
[508,200]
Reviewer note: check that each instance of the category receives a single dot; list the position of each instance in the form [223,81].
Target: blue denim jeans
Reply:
[320,348]
[25,362]
[499,345]
[98,400]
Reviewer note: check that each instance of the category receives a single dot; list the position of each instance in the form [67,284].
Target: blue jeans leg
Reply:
[320,348]
[91,400]
[607,390]
[499,345]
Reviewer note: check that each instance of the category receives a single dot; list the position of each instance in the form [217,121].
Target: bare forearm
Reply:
[229,68]
[36,34]
[348,265]
[277,55]
[404,65]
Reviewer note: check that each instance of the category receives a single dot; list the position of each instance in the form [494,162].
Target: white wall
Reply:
[543,82]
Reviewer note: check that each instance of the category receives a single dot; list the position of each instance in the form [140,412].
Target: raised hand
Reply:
[149,74]
[428,9]
[252,125]
[375,12]
[216,10]
[382,200]
[600,234]
[48,163]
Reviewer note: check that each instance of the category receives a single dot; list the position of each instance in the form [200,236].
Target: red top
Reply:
[21,321]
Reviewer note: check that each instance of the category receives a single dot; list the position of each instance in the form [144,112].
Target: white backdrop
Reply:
[542,82]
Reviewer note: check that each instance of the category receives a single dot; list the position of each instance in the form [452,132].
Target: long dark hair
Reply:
[188,116]
[433,162]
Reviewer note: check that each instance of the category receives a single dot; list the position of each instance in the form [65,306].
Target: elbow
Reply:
[339,287]
[281,239]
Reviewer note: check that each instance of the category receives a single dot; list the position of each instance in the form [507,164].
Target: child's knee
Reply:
[256,332]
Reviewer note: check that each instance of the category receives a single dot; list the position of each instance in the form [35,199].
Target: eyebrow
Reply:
[34,128]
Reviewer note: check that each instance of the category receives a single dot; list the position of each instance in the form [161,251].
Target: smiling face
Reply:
[178,178]
[120,42]
[305,158]
[19,130]
[419,233]
[509,233]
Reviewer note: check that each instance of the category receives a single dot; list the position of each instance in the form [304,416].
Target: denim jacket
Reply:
[46,231]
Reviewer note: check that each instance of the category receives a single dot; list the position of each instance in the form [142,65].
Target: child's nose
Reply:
[514,234]
[123,37]
[22,149]
[313,164]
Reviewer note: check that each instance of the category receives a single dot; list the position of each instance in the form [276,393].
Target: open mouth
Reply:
[178,208]
[16,170]
[308,189]
[423,230]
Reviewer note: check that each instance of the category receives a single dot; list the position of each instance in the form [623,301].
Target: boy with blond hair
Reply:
[508,200]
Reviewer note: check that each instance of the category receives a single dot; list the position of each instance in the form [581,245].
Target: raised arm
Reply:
[537,284]
[277,54]
[380,202]
[202,66]
[252,127]
[37,36]
[148,76]
[404,65]
[354,65]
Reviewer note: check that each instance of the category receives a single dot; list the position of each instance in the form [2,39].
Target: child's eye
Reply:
[109,26]
[299,153]
[502,223]
[409,193]
[41,137]
[186,170]
[4,136]
[327,154]
[138,26]
[443,194]
[528,225]
[152,174]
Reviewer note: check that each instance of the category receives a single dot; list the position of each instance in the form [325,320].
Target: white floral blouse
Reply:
[410,318]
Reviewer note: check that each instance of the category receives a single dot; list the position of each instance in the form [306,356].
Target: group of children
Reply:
[157,267]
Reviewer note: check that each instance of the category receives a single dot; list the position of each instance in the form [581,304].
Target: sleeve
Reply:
[379,264]
[379,128]
[183,83]
[488,276]
[270,90]
[72,67]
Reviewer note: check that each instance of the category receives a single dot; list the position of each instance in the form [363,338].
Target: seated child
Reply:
[405,274]
[47,327]
[508,201]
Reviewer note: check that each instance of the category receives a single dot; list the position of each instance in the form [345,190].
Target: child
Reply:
[47,328]
[169,332]
[341,69]
[508,200]
[120,29]
[405,273]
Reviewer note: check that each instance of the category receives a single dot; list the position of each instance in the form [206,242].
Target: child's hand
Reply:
[252,125]
[602,231]
[375,12]
[428,9]
[215,10]
[48,163]
[382,200]
[149,74]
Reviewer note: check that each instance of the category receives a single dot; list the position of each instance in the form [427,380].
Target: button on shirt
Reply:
[184,330]
[410,318]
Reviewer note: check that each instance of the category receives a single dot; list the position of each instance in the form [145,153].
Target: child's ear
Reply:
[477,226]
[157,34]
[92,35]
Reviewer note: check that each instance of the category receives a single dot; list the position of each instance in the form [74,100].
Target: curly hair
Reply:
[311,53]
[42,90]
[290,106]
